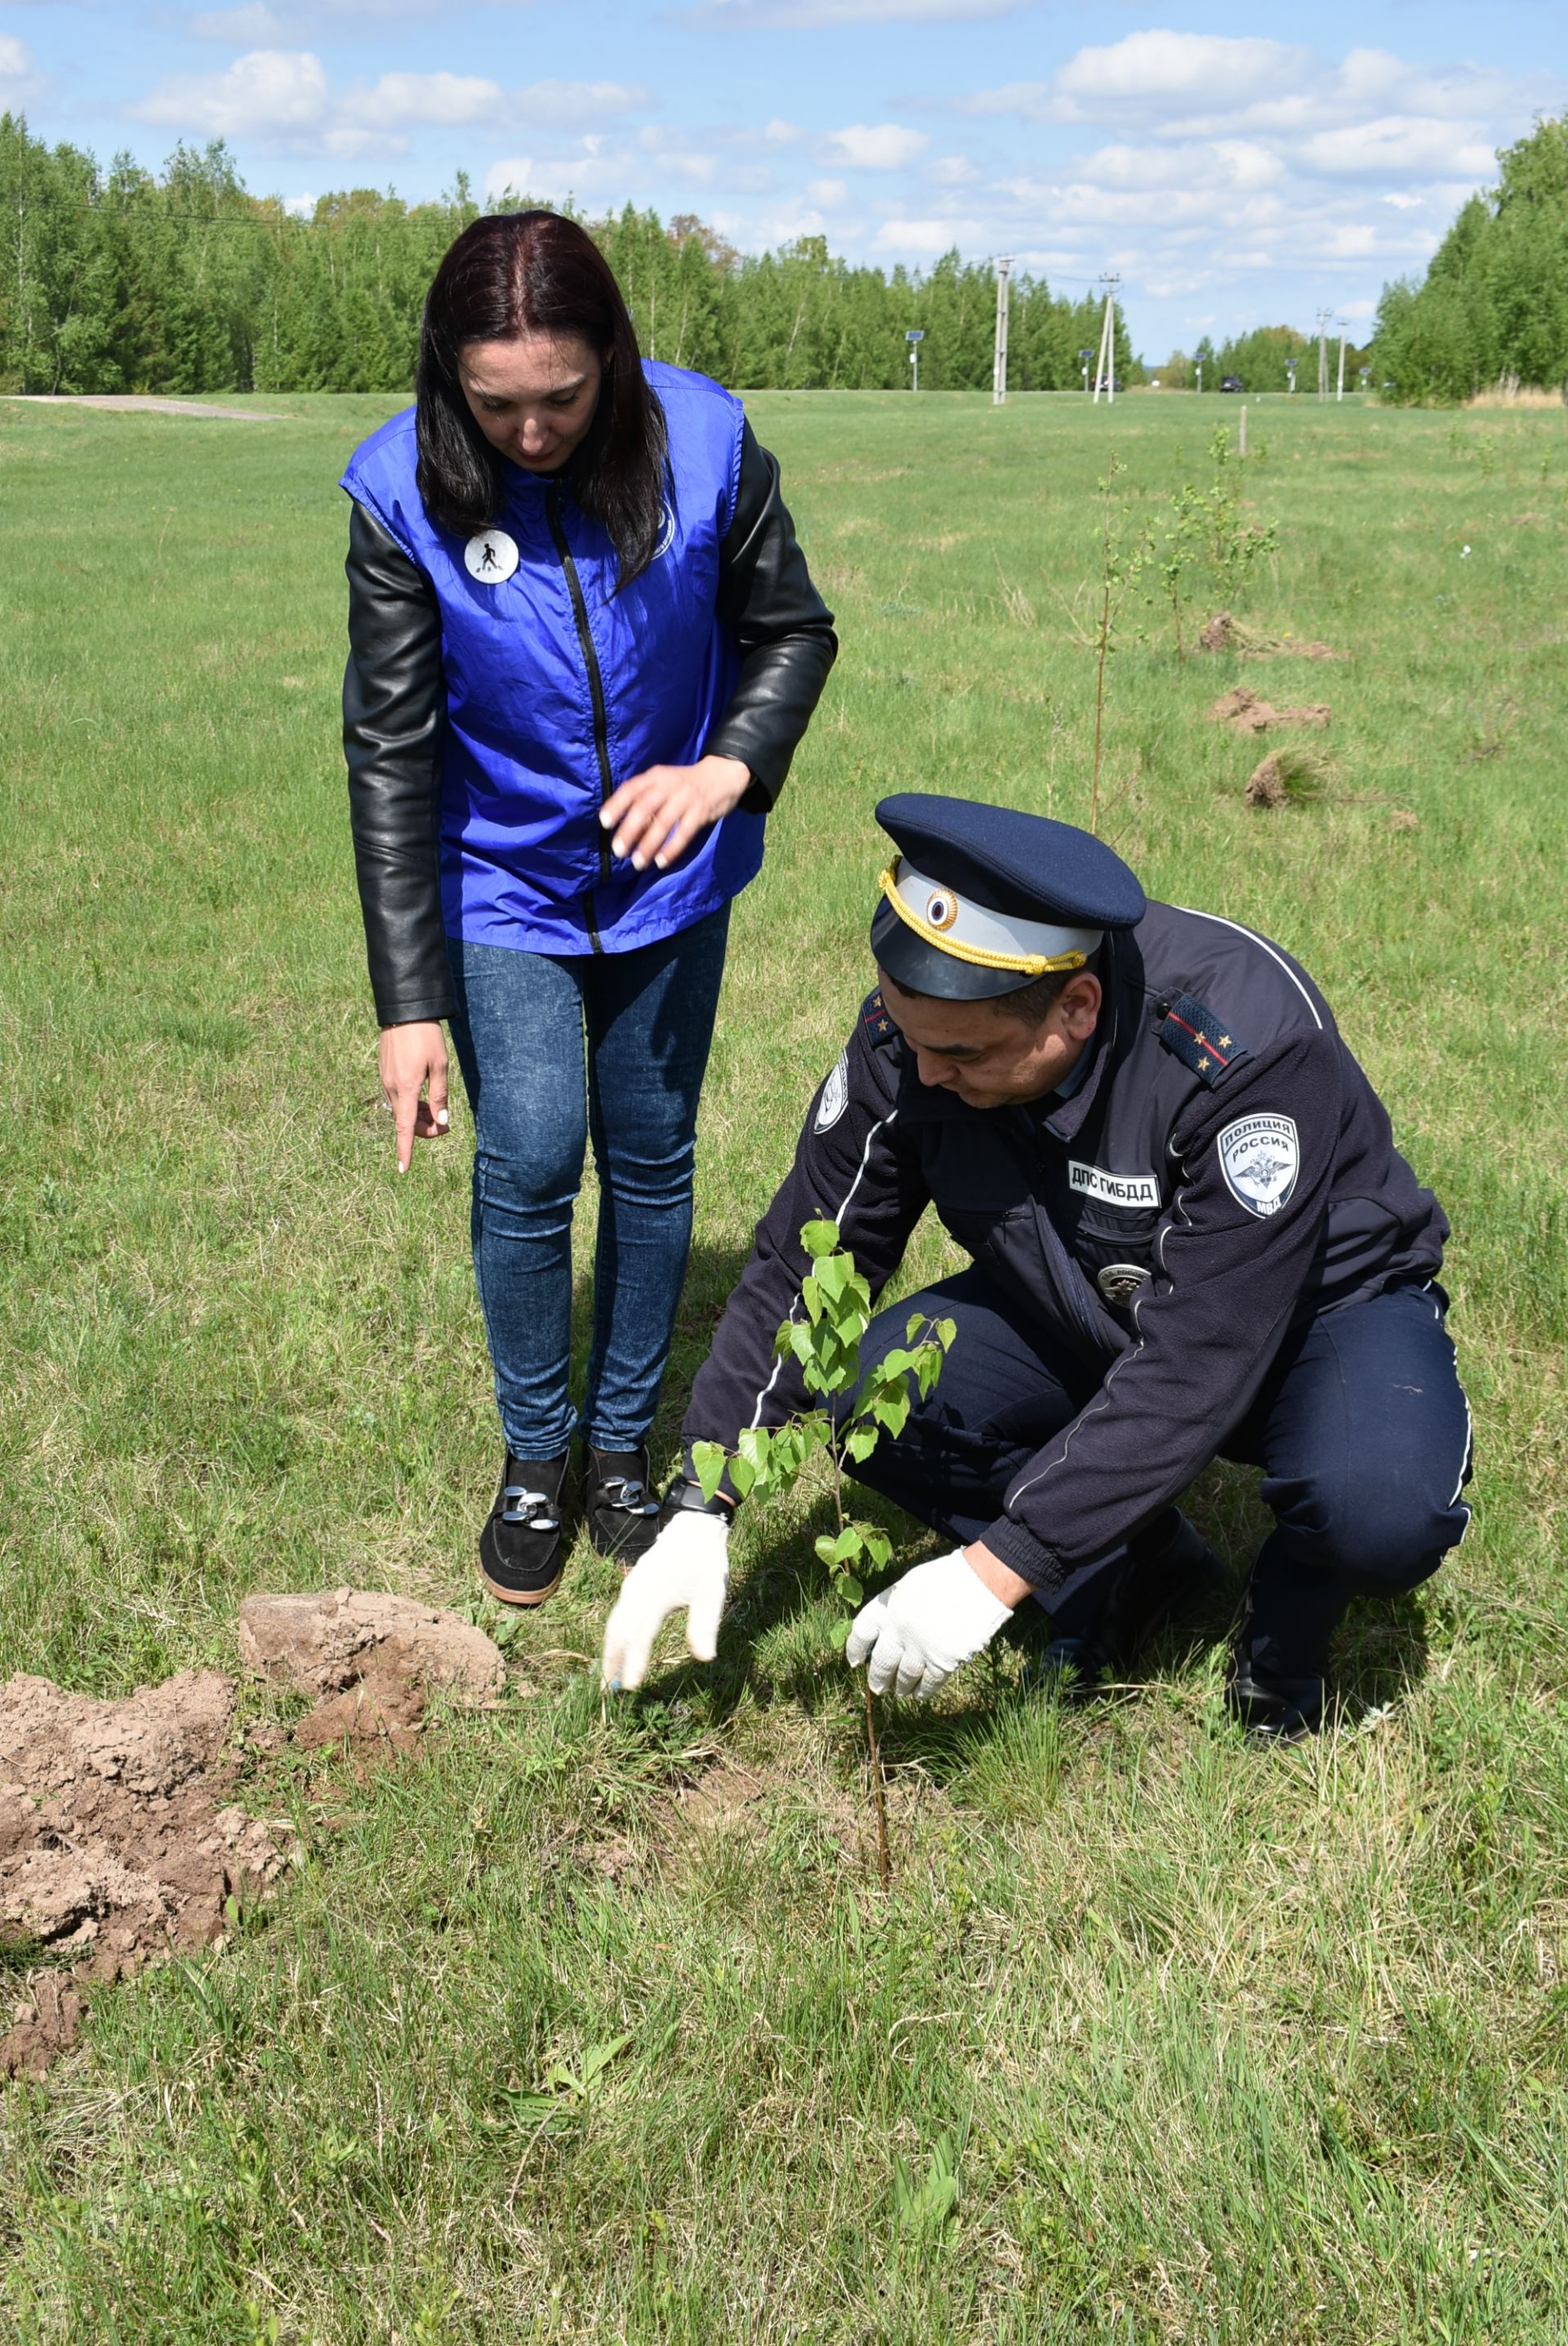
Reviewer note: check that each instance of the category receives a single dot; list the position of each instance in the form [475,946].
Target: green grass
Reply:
[1155,2039]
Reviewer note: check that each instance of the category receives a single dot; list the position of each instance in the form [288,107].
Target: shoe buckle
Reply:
[626,1497]
[531,1508]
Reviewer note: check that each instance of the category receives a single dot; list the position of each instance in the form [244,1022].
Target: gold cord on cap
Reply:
[1026,965]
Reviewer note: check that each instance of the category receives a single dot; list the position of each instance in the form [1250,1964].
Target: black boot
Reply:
[522,1546]
[1278,1684]
[620,1502]
[1160,1566]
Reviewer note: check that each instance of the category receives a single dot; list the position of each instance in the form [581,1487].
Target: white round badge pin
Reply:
[491,557]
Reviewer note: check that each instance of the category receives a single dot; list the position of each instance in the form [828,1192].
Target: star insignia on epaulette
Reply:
[1183,1025]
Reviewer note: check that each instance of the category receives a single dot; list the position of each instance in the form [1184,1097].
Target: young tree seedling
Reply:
[768,1462]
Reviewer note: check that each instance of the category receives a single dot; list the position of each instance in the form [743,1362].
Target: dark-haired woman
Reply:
[584,646]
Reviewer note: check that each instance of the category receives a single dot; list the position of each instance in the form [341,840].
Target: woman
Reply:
[584,646]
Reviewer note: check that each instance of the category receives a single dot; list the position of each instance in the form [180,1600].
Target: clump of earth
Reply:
[119,1845]
[1246,713]
[1226,634]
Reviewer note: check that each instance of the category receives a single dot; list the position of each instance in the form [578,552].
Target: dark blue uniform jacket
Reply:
[1225,1141]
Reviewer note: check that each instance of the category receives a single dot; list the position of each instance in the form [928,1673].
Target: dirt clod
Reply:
[1226,634]
[114,1845]
[1246,713]
[1266,786]
[326,1643]
[385,1707]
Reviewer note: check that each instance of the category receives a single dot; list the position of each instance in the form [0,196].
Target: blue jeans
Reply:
[553,1047]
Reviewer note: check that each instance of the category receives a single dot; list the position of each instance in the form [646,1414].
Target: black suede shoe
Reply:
[620,1502]
[1153,1576]
[521,1547]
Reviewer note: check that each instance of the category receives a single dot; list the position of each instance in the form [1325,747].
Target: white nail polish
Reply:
[441,1117]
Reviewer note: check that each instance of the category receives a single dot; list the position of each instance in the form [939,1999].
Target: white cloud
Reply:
[810,16]
[300,207]
[954,171]
[267,94]
[828,191]
[449,100]
[1396,147]
[281,97]
[873,147]
[927,239]
[20,84]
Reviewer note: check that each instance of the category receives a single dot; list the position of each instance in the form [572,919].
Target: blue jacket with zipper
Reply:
[558,689]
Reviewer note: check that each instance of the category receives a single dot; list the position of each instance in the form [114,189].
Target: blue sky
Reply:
[1236,165]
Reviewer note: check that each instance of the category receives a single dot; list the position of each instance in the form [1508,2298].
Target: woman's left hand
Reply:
[657,814]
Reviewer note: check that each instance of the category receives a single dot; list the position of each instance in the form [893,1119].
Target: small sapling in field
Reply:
[766,1462]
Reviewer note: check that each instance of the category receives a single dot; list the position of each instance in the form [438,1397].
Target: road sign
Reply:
[915,334]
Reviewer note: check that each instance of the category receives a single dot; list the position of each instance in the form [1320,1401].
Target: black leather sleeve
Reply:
[785,631]
[394,719]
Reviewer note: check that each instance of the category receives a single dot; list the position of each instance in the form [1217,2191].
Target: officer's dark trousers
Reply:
[1361,1427]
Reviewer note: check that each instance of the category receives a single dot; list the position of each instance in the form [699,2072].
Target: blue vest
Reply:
[558,689]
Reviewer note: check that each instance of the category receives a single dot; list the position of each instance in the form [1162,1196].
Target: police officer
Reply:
[1190,1236]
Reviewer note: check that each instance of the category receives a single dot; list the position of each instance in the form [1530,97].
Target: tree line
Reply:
[182,282]
[1493,308]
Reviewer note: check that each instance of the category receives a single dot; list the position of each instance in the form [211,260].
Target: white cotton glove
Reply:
[918,1631]
[686,1570]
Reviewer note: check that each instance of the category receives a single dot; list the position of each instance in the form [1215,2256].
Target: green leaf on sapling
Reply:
[944,1331]
[892,1414]
[879,1547]
[849,1589]
[860,1441]
[710,1460]
[819,1239]
[916,1322]
[839,1632]
[742,1475]
[823,1545]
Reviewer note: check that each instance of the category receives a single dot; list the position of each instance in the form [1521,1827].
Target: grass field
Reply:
[1155,2038]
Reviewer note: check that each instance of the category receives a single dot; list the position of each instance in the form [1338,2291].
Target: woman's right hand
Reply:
[411,1057]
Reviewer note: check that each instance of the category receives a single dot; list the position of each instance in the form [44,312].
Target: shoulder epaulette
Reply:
[875,1025]
[1189,1030]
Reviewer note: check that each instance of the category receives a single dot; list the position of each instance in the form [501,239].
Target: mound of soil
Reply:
[117,1847]
[115,1844]
[347,1638]
[1246,713]
[1224,634]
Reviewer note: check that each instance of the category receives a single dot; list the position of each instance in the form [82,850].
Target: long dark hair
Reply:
[535,272]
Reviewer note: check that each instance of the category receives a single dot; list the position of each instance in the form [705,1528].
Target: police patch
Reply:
[1134,1191]
[835,1097]
[1260,1158]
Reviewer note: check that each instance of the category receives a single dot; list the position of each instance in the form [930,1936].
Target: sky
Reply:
[1234,166]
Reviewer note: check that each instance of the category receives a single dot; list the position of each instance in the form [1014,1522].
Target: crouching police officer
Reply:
[1191,1235]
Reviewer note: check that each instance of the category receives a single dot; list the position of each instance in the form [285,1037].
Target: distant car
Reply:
[1231,383]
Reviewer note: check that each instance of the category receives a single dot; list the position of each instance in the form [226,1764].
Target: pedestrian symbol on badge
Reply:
[491,557]
[1260,1156]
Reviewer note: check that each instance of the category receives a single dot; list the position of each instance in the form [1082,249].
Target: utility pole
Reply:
[998,364]
[1105,366]
[1343,332]
[1323,354]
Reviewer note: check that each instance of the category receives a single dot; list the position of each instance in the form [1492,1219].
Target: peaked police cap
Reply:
[983,899]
